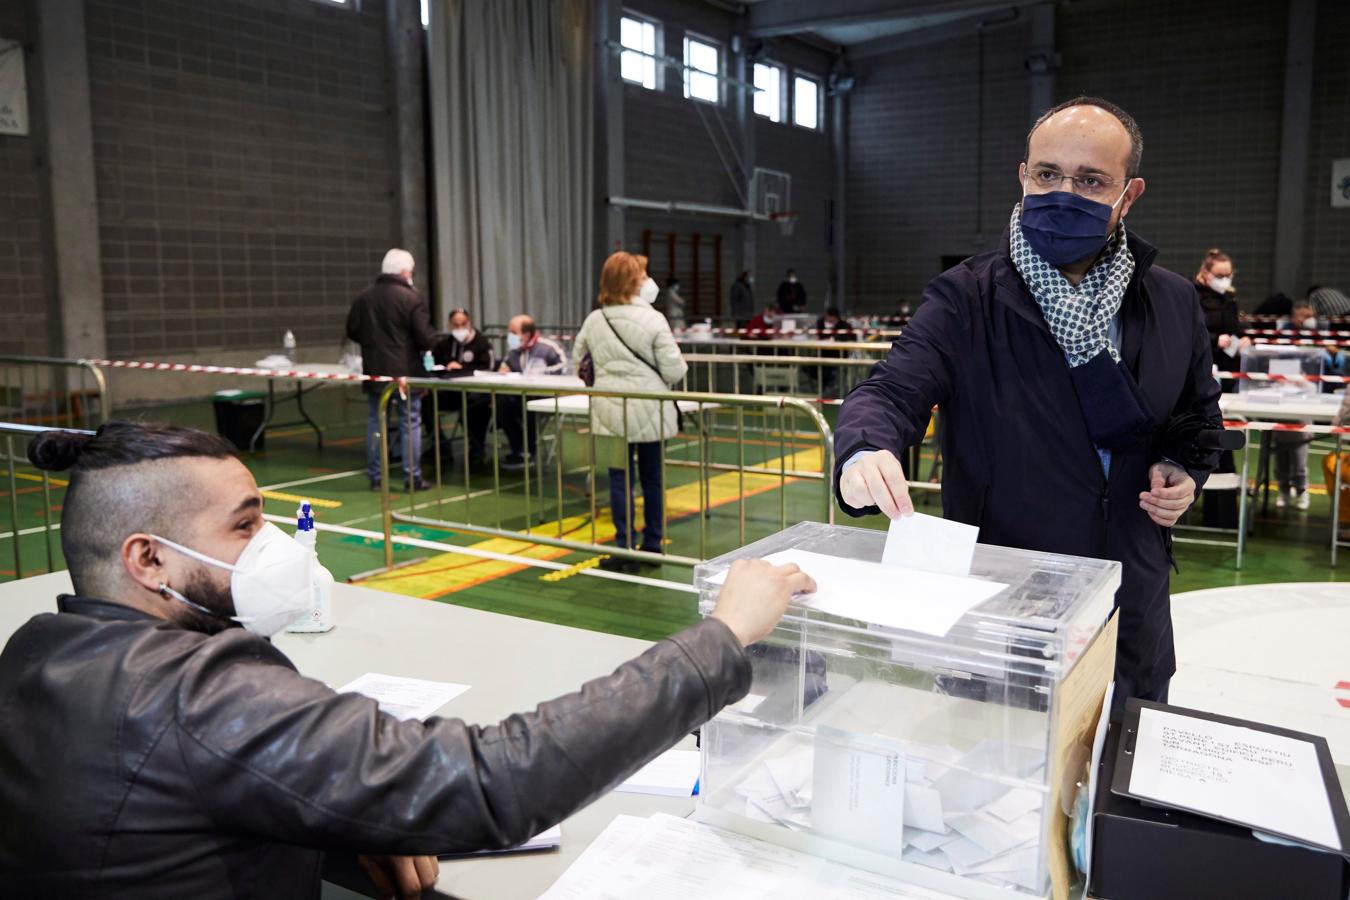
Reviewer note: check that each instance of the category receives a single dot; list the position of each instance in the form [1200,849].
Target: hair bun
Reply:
[56,451]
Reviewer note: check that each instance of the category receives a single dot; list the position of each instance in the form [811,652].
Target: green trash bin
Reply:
[238,415]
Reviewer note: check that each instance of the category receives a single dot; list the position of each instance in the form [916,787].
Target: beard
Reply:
[200,589]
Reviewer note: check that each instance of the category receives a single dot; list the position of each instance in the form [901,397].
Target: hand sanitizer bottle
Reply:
[319,618]
[288,345]
[428,361]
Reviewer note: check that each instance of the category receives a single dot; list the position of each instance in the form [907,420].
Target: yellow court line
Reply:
[296,498]
[54,482]
[448,573]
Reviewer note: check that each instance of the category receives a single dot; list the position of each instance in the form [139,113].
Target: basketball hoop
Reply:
[787,221]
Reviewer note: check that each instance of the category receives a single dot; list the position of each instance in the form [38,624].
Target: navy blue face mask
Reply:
[1063,227]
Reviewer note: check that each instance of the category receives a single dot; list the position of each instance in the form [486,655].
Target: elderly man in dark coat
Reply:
[1069,369]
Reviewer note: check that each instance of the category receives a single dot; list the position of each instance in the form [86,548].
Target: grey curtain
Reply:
[511,130]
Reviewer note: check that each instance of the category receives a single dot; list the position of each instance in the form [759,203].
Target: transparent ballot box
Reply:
[1281,359]
[940,760]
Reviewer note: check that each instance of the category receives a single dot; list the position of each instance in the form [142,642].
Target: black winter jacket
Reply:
[1017,459]
[142,760]
[391,322]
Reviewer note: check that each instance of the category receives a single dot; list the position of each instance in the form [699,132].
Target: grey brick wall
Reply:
[917,189]
[1209,103]
[670,156]
[1327,232]
[245,170]
[23,300]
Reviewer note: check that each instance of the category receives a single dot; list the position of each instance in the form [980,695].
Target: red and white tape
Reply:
[1264,376]
[253,371]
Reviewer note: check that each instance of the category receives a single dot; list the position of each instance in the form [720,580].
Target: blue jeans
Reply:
[644,467]
[405,442]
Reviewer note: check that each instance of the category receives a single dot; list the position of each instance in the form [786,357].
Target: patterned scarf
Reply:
[1079,317]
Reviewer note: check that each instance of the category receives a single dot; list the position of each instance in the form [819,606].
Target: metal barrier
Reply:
[11,430]
[40,390]
[777,419]
[717,372]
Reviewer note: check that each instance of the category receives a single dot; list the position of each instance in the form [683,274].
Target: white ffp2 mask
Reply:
[1220,285]
[271,583]
[648,292]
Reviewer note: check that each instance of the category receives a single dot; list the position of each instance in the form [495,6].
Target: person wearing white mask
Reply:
[155,749]
[528,353]
[670,303]
[1214,286]
[1227,340]
[462,352]
[632,349]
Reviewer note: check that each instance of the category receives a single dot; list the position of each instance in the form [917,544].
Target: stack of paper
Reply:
[672,774]
[665,858]
[406,698]
[936,806]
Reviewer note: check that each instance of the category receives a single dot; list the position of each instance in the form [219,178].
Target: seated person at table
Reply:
[832,327]
[765,324]
[529,353]
[465,351]
[156,744]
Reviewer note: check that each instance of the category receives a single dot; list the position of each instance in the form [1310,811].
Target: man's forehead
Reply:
[218,482]
[1081,137]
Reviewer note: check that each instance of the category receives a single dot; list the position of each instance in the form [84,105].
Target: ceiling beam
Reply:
[771,18]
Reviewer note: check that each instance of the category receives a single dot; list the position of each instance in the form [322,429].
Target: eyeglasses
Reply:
[1096,187]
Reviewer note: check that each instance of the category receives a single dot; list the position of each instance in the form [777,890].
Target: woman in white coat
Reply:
[632,349]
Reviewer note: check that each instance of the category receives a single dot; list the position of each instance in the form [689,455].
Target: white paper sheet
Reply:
[930,544]
[1015,804]
[665,858]
[406,698]
[550,839]
[672,774]
[858,788]
[1286,367]
[791,774]
[1264,781]
[890,596]
[923,808]
[991,834]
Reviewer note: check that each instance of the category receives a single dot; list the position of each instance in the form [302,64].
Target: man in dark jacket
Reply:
[743,299]
[791,294]
[1069,370]
[152,748]
[391,322]
[462,352]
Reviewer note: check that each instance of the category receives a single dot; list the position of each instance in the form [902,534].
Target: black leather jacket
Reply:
[139,759]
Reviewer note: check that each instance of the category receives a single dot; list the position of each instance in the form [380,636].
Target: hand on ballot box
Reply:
[877,479]
[755,596]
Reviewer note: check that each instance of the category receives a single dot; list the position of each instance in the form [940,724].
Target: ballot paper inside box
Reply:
[938,759]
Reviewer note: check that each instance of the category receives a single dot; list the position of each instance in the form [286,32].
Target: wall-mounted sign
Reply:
[13,90]
[1340,182]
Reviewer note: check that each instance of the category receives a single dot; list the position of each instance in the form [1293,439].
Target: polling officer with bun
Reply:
[1073,375]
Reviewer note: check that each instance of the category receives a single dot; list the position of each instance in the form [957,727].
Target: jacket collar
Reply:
[389,278]
[100,609]
[1011,290]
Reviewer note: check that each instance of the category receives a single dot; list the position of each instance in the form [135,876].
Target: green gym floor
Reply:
[1287,545]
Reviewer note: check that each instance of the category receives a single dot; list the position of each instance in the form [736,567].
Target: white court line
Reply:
[489,554]
[37,529]
[315,480]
